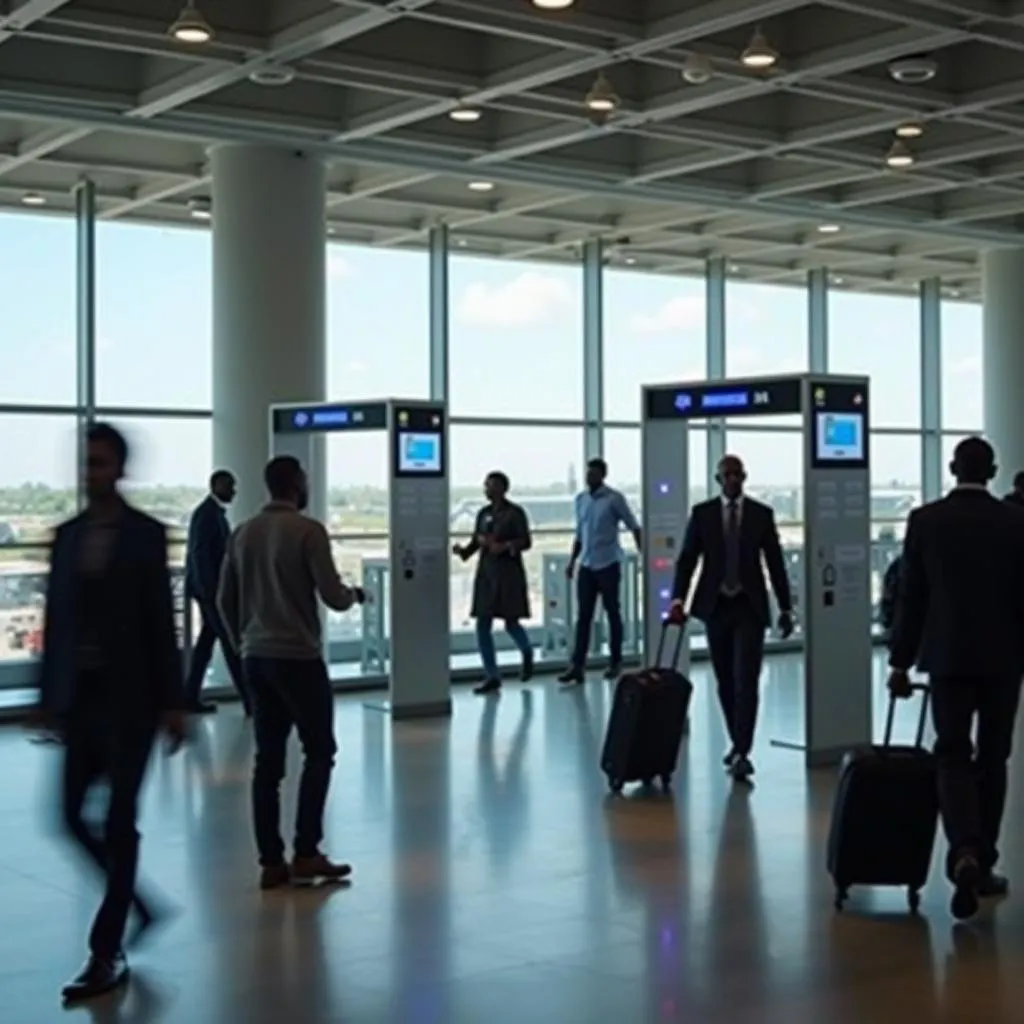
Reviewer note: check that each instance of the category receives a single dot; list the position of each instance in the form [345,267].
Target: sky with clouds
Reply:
[516,351]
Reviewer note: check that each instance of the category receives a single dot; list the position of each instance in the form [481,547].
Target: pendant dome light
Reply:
[190,26]
[759,55]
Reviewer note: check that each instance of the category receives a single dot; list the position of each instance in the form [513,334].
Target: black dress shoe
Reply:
[730,759]
[203,707]
[742,768]
[966,881]
[99,976]
[488,686]
[526,672]
[613,672]
[571,677]
[992,886]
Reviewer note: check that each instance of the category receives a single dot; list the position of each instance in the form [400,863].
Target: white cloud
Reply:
[532,299]
[338,268]
[684,313]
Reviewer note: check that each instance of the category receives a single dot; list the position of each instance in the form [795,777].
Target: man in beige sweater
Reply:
[275,566]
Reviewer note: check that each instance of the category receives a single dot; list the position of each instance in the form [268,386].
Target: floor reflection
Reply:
[495,880]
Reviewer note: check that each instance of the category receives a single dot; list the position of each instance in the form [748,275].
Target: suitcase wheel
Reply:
[615,785]
[913,900]
[841,897]
[666,782]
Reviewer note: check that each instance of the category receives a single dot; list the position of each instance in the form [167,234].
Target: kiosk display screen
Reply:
[419,441]
[839,437]
[839,426]
[419,453]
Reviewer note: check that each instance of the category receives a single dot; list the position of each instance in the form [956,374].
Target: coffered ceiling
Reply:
[776,169]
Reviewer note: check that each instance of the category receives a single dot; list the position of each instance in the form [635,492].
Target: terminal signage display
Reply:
[331,418]
[773,396]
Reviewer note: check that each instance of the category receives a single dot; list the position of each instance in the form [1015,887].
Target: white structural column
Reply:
[1003,358]
[269,306]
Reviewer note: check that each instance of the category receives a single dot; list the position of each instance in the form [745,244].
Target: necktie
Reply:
[731,583]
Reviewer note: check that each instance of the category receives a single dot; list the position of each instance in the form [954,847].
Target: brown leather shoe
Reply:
[310,870]
[273,876]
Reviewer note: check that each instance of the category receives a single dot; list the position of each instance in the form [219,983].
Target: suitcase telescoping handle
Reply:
[925,692]
[666,625]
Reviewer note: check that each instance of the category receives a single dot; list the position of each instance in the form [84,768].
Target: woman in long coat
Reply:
[501,535]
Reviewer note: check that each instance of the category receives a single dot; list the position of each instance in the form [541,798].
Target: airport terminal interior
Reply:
[228,228]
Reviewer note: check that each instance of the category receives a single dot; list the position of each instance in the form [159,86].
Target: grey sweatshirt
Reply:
[276,564]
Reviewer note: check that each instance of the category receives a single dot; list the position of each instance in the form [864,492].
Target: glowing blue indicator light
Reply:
[663,488]
[301,419]
[683,402]
[331,417]
[664,593]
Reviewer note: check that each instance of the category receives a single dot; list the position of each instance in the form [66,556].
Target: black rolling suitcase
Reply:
[885,815]
[648,719]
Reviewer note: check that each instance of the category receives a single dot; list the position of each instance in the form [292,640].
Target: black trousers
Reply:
[972,778]
[289,693]
[591,584]
[101,746]
[735,635]
[212,632]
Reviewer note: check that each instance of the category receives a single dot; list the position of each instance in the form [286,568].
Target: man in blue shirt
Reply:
[600,511]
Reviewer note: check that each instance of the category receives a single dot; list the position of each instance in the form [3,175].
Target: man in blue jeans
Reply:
[600,511]
[275,566]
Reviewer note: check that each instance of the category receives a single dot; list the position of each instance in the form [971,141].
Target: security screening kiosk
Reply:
[408,594]
[835,592]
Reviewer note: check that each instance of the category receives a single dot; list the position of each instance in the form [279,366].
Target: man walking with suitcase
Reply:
[729,535]
[959,615]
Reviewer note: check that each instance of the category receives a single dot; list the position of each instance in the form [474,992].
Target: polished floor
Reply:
[495,882]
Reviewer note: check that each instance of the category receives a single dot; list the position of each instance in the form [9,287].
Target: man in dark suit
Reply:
[110,680]
[1016,496]
[729,535]
[208,533]
[960,617]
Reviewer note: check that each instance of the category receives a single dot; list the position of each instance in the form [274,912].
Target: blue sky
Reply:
[516,350]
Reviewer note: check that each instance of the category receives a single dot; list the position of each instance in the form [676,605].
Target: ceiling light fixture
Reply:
[33,199]
[553,5]
[602,98]
[829,229]
[759,54]
[900,156]
[464,114]
[839,281]
[697,70]
[201,207]
[481,186]
[273,76]
[190,26]
[910,130]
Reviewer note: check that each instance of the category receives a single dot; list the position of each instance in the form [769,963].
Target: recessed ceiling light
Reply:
[900,156]
[910,130]
[829,229]
[734,268]
[190,26]
[464,114]
[33,199]
[481,186]
[630,260]
[460,242]
[839,280]
[553,5]
[759,54]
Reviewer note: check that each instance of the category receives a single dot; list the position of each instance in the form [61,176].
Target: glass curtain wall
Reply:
[541,364]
